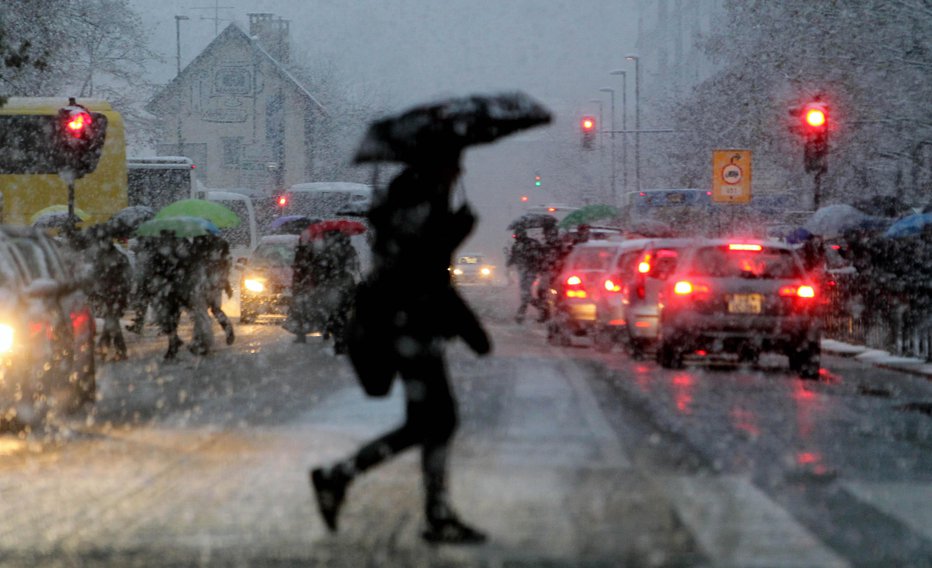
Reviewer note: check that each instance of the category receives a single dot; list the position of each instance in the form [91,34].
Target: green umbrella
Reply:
[588,214]
[220,215]
[178,227]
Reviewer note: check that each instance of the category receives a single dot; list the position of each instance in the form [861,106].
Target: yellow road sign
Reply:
[731,176]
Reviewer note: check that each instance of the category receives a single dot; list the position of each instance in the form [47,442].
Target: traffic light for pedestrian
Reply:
[813,123]
[524,199]
[588,125]
[79,139]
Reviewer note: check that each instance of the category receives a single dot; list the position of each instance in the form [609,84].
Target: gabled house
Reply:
[237,111]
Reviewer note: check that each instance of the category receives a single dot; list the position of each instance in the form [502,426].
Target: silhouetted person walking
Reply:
[526,258]
[405,310]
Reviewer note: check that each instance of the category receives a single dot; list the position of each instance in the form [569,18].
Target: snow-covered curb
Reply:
[878,358]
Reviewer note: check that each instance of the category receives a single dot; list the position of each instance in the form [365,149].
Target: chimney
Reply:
[272,34]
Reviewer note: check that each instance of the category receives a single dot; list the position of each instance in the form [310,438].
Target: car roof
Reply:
[279,239]
[769,243]
[332,186]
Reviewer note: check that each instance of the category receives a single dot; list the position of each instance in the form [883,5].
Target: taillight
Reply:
[745,247]
[687,288]
[644,267]
[611,286]
[574,287]
[683,288]
[803,291]
[80,320]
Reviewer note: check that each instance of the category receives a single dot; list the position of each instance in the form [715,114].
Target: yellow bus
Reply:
[29,181]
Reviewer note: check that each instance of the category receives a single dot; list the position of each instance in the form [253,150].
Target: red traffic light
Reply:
[282,201]
[587,123]
[815,117]
[77,123]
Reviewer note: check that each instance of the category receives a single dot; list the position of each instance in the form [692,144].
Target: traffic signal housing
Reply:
[79,139]
[813,119]
[537,181]
[588,126]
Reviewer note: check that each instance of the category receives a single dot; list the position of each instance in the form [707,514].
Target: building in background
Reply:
[238,112]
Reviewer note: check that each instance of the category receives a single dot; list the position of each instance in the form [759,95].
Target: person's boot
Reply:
[444,527]
[329,487]
[174,344]
[231,337]
[120,344]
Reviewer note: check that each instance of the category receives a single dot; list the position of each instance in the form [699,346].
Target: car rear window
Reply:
[469,260]
[590,258]
[766,263]
[274,254]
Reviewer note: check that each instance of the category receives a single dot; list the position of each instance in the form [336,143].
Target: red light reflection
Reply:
[682,393]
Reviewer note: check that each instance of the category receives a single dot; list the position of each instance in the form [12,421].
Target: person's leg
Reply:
[524,285]
[115,334]
[222,319]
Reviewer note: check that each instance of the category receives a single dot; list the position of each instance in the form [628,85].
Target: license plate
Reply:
[745,303]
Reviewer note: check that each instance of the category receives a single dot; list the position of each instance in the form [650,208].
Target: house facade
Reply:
[236,110]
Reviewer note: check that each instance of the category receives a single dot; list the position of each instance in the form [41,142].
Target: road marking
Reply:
[737,525]
[907,502]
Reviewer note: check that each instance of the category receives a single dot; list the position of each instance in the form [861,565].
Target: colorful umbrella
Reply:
[219,215]
[291,224]
[345,226]
[588,214]
[909,226]
[178,227]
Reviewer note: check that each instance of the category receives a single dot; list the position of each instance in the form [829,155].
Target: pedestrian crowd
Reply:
[168,275]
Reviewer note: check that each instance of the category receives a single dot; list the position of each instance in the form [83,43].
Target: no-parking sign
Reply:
[731,176]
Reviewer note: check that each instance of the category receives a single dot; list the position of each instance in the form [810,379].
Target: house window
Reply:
[232,81]
[232,149]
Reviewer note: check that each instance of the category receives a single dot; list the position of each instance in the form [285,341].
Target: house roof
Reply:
[232,32]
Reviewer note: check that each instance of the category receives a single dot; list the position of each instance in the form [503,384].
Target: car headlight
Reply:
[6,338]
[458,271]
[486,271]
[254,285]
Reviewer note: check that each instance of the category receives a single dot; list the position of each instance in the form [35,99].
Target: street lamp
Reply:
[637,118]
[180,91]
[624,127]
[614,192]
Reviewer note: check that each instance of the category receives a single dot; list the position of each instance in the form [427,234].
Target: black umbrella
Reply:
[446,127]
[533,221]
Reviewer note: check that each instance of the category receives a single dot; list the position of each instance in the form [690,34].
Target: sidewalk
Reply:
[878,358]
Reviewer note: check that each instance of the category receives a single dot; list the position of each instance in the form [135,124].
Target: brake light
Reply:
[576,294]
[80,320]
[687,288]
[745,247]
[574,280]
[574,287]
[803,291]
[683,288]
[644,267]
[611,286]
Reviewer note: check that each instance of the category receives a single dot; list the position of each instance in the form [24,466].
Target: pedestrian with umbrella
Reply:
[407,307]
[215,253]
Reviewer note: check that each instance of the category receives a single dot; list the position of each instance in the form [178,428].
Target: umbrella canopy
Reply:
[833,220]
[55,214]
[588,214]
[178,227]
[219,215]
[533,221]
[128,219]
[291,224]
[448,126]
[345,226]
[909,226]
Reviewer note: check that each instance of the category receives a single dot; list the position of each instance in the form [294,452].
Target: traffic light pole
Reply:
[817,189]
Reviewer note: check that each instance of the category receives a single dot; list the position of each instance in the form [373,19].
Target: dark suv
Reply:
[741,297]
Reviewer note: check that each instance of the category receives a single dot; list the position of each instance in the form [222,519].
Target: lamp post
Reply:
[624,127]
[614,192]
[180,100]
[637,118]
[178,39]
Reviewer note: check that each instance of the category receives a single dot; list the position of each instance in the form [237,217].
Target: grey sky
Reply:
[400,52]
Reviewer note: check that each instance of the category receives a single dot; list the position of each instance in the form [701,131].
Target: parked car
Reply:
[47,331]
[629,305]
[741,297]
[472,268]
[265,286]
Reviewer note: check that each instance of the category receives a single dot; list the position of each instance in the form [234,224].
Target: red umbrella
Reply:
[345,226]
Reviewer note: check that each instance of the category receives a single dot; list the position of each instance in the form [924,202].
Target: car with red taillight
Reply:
[740,297]
[576,292]
[629,307]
